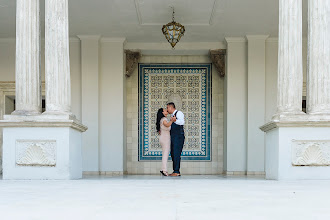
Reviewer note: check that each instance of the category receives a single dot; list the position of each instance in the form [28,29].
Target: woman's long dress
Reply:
[165,142]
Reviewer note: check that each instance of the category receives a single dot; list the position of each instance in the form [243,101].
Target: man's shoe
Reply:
[175,174]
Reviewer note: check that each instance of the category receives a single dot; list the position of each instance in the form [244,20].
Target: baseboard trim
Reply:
[103,173]
[247,173]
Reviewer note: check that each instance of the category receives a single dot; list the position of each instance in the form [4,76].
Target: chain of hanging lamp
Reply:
[173,31]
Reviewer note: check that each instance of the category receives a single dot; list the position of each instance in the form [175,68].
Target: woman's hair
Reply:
[160,115]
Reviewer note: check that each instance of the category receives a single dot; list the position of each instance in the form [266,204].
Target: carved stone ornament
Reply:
[218,58]
[132,60]
[35,153]
[311,153]
[177,100]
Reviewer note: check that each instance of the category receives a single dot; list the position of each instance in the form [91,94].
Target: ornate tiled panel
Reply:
[189,87]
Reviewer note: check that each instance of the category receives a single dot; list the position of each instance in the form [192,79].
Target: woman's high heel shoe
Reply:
[164,173]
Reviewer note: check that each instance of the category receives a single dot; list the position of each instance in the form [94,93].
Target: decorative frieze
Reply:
[35,153]
[218,58]
[311,153]
[132,61]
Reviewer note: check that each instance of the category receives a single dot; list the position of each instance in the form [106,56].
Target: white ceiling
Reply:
[141,20]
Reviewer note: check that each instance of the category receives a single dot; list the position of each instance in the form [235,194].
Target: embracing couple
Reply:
[171,137]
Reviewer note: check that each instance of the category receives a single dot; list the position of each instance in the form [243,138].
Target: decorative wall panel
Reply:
[189,87]
[311,153]
[35,153]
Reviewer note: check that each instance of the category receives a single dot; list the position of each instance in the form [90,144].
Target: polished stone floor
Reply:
[156,198]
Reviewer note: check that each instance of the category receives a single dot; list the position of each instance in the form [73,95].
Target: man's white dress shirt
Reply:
[179,117]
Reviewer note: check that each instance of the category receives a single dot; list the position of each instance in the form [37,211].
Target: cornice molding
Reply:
[113,40]
[235,40]
[13,40]
[304,120]
[257,37]
[89,37]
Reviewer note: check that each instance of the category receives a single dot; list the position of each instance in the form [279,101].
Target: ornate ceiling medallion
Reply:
[173,31]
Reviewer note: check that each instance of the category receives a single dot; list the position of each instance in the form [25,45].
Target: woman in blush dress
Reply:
[163,128]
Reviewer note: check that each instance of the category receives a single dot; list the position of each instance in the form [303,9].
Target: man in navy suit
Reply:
[177,137]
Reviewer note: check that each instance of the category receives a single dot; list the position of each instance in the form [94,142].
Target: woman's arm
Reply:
[167,124]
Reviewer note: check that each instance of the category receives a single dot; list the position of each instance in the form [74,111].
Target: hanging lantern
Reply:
[173,31]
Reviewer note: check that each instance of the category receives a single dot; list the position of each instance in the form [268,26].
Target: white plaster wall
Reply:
[256,103]
[111,106]
[138,167]
[90,101]
[279,153]
[236,106]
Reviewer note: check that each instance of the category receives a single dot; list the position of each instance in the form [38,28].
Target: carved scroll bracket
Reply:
[218,58]
[132,60]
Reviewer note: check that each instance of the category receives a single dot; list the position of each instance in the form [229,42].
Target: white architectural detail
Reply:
[177,100]
[318,76]
[310,153]
[36,153]
[58,86]
[290,72]
[28,79]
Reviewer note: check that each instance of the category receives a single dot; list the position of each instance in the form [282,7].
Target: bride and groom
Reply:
[171,137]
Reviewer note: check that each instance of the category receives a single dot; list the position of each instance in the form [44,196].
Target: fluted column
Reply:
[28,81]
[290,73]
[58,87]
[318,73]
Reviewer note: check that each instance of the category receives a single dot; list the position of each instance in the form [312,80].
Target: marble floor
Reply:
[156,198]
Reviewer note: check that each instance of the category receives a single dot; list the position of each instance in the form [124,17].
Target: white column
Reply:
[28,80]
[256,103]
[290,72]
[90,100]
[57,62]
[318,73]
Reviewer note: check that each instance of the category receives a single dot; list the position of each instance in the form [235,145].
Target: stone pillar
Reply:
[28,81]
[256,109]
[90,65]
[57,60]
[290,72]
[318,73]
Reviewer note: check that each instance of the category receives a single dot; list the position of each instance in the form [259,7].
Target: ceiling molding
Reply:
[257,37]
[235,40]
[139,16]
[188,48]
[13,40]
[275,40]
[113,40]
[89,37]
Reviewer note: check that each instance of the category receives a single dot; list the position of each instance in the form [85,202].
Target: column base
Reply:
[26,113]
[297,150]
[42,149]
